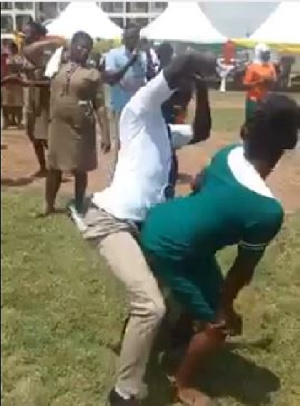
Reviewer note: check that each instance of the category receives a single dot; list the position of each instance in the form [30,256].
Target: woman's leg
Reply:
[201,347]
[196,286]
[39,149]
[53,182]
[19,116]
[81,180]
[5,111]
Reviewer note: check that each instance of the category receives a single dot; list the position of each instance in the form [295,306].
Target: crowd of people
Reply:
[151,239]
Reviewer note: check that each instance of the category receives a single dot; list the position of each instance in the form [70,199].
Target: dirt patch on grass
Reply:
[18,165]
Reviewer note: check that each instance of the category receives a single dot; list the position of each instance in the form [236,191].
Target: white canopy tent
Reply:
[185,22]
[84,16]
[282,26]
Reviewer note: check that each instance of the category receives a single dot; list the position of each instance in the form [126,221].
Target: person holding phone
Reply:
[126,72]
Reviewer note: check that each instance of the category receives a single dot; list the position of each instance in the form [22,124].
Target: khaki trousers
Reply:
[119,247]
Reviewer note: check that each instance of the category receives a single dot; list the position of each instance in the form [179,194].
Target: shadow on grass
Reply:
[17,182]
[229,375]
[234,376]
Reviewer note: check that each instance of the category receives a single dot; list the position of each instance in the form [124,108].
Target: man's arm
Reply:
[202,120]
[101,113]
[184,68]
[250,80]
[113,76]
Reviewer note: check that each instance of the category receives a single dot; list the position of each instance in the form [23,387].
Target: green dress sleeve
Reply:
[259,232]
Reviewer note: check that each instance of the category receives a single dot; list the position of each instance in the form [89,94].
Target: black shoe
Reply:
[114,399]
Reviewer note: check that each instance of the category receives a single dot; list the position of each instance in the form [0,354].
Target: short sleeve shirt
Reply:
[132,81]
[255,72]
[234,206]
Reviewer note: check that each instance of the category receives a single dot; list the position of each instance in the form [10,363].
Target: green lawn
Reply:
[62,312]
[228,110]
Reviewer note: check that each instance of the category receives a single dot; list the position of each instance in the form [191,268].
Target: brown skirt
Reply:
[72,138]
[37,125]
[12,95]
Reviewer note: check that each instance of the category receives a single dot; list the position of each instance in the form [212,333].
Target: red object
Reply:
[228,52]
[4,68]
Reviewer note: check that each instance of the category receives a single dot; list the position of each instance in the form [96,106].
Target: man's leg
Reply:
[147,310]
[39,149]
[53,182]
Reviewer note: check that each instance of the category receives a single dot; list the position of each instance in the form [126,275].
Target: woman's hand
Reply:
[233,321]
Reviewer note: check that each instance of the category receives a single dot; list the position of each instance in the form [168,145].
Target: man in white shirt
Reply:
[114,215]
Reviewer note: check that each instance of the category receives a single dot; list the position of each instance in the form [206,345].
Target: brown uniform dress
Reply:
[38,100]
[12,93]
[76,93]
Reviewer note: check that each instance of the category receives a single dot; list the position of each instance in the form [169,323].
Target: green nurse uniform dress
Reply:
[182,236]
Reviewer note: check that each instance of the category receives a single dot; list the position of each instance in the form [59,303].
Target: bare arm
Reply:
[32,52]
[202,120]
[239,276]
[250,80]
[101,113]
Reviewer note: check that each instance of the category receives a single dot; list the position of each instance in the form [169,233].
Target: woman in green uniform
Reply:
[231,205]
[76,97]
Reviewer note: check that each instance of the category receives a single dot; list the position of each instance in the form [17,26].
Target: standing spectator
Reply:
[285,64]
[12,92]
[125,72]
[38,50]
[4,72]
[259,78]
[76,97]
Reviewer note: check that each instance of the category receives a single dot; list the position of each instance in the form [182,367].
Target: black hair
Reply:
[134,28]
[13,47]
[82,36]
[272,129]
[164,48]
[37,27]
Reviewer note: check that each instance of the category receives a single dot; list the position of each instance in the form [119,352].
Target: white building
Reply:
[15,14]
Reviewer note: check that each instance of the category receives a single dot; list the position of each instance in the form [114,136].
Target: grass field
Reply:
[62,314]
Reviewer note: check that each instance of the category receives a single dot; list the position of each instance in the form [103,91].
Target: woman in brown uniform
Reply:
[12,91]
[38,50]
[76,95]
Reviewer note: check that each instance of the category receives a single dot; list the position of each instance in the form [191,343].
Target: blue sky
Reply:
[236,19]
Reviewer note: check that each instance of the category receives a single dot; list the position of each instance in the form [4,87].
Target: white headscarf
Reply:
[258,51]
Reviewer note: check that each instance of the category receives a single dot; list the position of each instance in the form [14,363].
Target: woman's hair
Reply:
[37,27]
[13,47]
[82,36]
[272,129]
